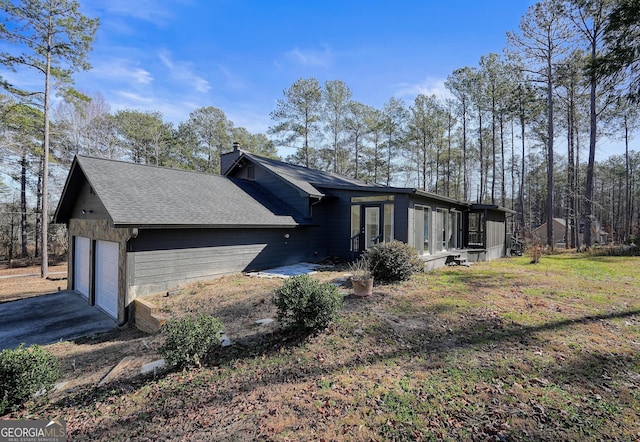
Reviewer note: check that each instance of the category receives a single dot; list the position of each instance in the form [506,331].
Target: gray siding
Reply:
[88,202]
[496,235]
[158,260]
[401,219]
[278,186]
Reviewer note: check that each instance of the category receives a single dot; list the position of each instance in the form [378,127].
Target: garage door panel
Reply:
[107,277]
[81,265]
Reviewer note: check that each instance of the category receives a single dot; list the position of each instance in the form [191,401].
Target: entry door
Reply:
[106,278]
[371,226]
[81,265]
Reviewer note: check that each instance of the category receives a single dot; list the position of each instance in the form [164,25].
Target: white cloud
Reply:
[157,12]
[232,81]
[310,57]
[24,78]
[121,69]
[430,86]
[132,99]
[183,72]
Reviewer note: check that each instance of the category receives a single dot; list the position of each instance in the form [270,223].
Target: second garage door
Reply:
[106,279]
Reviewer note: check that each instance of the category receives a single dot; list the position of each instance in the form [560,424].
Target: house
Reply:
[539,234]
[137,229]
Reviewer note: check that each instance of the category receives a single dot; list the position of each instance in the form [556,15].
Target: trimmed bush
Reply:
[306,304]
[25,372]
[393,261]
[190,339]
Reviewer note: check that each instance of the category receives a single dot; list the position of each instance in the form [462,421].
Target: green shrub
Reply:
[393,261]
[306,304]
[25,372]
[190,339]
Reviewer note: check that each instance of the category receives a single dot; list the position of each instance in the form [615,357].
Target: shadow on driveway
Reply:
[50,318]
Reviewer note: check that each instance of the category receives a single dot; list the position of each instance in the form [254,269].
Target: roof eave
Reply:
[62,202]
[129,224]
[492,207]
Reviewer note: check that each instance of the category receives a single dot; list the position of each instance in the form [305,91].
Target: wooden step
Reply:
[147,316]
[462,262]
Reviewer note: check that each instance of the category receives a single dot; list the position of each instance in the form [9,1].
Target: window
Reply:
[372,226]
[372,199]
[441,238]
[422,229]
[427,230]
[355,228]
[388,223]
[476,231]
[251,172]
[455,218]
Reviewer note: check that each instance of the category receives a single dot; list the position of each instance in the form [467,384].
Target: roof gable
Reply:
[309,181]
[143,195]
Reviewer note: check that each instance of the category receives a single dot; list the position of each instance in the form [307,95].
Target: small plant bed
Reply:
[503,350]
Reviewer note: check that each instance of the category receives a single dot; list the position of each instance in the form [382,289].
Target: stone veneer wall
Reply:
[99,229]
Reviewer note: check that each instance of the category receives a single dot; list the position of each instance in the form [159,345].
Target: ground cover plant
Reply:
[306,304]
[504,350]
[189,339]
[25,372]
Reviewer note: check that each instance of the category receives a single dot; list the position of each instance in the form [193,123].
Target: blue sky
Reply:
[174,56]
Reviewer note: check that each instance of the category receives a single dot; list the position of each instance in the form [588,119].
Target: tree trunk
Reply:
[465,185]
[522,167]
[493,148]
[23,205]
[448,177]
[503,189]
[627,199]
[44,268]
[38,211]
[550,181]
[482,177]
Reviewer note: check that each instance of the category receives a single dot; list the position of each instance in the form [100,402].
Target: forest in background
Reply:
[519,129]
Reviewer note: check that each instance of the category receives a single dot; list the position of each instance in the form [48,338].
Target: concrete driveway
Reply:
[50,318]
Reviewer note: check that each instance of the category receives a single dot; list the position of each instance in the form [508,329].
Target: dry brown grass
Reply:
[499,351]
[19,283]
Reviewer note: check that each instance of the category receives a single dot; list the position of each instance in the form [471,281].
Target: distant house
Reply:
[598,236]
[136,229]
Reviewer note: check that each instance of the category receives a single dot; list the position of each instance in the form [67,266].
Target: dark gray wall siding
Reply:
[90,203]
[401,218]
[158,260]
[496,235]
[284,190]
[337,224]
[337,210]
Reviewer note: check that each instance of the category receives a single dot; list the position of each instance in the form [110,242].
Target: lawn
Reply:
[505,350]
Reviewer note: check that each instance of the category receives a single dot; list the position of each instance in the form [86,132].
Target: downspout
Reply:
[313,204]
[484,233]
[127,309]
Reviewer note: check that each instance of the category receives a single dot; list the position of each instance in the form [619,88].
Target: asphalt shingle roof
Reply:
[308,180]
[142,195]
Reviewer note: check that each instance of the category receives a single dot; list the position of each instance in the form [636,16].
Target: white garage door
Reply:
[81,266]
[107,277]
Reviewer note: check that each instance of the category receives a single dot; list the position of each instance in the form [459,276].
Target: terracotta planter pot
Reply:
[362,287]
